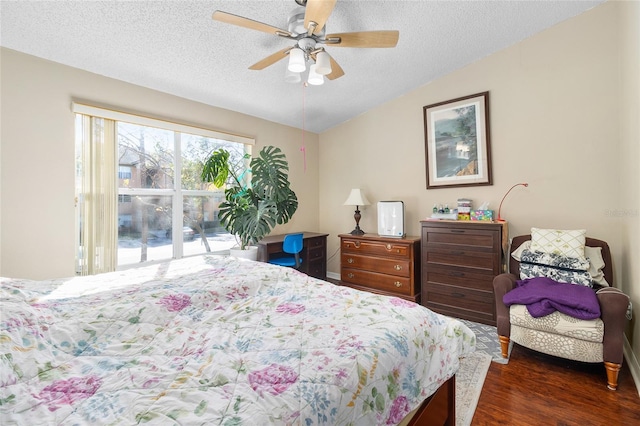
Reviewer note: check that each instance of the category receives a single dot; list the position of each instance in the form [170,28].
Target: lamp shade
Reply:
[315,78]
[292,77]
[296,60]
[356,198]
[323,64]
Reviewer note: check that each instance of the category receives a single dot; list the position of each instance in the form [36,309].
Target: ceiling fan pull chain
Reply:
[303,147]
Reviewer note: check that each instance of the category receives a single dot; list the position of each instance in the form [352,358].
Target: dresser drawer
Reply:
[377,281]
[461,237]
[316,243]
[447,298]
[380,248]
[461,277]
[486,261]
[316,253]
[482,316]
[317,268]
[396,267]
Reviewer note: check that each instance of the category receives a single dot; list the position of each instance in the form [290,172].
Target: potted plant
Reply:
[252,207]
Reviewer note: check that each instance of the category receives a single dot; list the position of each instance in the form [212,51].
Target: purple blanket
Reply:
[544,296]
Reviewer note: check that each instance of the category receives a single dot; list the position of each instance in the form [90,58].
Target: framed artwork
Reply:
[456,138]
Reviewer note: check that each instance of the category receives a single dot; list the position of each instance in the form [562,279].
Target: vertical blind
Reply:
[97,197]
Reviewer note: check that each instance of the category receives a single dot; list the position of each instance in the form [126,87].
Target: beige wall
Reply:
[37,156]
[629,160]
[557,110]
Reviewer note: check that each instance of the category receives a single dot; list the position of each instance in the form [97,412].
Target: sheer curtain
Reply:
[97,196]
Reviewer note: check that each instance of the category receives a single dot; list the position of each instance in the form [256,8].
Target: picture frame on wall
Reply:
[457,142]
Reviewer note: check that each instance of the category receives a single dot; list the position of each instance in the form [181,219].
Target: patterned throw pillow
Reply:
[593,255]
[568,243]
[559,268]
[555,260]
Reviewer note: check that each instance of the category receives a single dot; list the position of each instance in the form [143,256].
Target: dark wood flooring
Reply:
[536,389]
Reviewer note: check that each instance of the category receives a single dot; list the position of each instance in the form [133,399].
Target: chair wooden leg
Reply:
[504,346]
[612,374]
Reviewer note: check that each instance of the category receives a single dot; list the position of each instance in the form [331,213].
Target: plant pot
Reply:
[251,253]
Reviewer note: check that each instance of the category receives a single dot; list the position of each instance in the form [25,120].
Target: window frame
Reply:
[177,193]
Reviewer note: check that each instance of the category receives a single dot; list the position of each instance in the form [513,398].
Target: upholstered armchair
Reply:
[558,334]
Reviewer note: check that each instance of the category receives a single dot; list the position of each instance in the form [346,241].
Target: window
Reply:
[161,209]
[164,191]
[124,172]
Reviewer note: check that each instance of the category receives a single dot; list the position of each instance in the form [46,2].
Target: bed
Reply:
[219,340]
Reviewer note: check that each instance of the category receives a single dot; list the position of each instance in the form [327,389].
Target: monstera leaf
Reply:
[251,211]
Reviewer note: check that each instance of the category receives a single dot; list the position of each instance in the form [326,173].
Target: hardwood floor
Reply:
[536,389]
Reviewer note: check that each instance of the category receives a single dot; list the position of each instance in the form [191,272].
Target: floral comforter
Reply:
[216,340]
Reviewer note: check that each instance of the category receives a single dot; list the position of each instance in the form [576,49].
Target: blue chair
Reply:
[292,244]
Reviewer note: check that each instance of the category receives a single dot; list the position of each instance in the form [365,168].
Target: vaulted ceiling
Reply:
[176,47]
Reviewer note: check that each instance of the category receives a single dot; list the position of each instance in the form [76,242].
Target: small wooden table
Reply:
[314,252]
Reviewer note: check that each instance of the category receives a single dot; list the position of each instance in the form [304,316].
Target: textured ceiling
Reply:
[175,47]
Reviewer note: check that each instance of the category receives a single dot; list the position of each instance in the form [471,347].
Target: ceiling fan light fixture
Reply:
[296,60]
[323,64]
[307,27]
[292,77]
[315,78]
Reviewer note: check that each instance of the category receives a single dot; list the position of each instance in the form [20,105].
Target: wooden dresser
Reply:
[459,261]
[381,265]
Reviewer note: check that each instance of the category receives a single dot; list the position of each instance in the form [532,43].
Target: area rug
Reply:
[487,341]
[469,380]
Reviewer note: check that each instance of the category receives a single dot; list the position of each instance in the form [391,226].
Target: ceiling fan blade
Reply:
[240,21]
[271,59]
[364,39]
[336,70]
[318,11]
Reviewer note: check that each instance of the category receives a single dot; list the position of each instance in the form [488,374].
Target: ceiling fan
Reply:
[307,27]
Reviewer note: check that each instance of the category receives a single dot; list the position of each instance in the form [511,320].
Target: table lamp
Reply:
[357,198]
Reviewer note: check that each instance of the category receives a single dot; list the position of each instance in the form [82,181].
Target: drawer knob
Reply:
[388,246]
[349,260]
[357,244]
[398,284]
[350,275]
[398,267]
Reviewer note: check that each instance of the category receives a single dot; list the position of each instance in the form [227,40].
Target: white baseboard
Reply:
[632,362]
[333,275]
